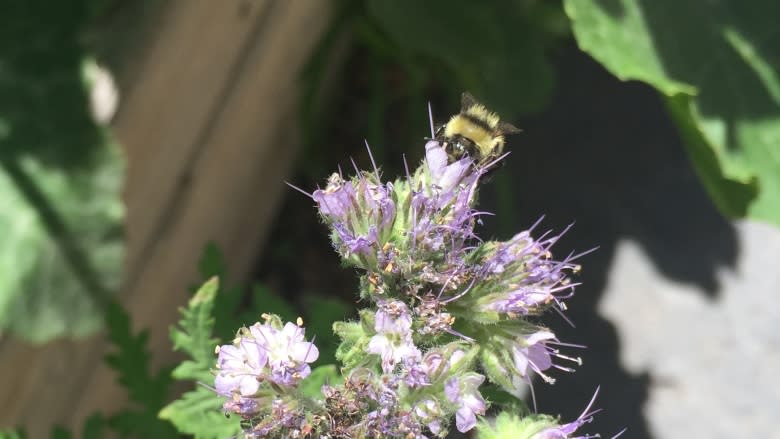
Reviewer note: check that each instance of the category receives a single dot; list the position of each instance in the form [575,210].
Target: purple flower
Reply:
[287,350]
[429,413]
[446,176]
[392,317]
[522,277]
[240,368]
[246,407]
[361,212]
[393,341]
[393,349]
[566,431]
[463,392]
[533,353]
[338,200]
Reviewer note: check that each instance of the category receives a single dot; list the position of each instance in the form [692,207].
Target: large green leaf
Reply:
[717,64]
[61,245]
[60,175]
[495,49]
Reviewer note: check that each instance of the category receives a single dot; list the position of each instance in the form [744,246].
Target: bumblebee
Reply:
[475,132]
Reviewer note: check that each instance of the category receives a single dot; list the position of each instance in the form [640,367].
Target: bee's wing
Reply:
[467,101]
[508,128]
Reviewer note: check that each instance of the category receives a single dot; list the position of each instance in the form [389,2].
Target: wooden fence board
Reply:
[207,128]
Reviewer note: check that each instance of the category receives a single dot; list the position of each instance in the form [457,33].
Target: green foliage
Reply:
[149,391]
[324,312]
[494,49]
[44,111]
[327,374]
[60,176]
[229,309]
[198,412]
[94,427]
[404,53]
[228,299]
[264,300]
[12,434]
[62,246]
[354,339]
[717,64]
[508,425]
[194,335]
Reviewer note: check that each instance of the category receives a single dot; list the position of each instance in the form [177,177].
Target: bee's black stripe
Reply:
[478,122]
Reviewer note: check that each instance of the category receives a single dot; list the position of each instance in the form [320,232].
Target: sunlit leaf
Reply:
[717,63]
[61,245]
[199,413]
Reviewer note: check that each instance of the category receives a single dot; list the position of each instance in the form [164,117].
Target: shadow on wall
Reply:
[606,155]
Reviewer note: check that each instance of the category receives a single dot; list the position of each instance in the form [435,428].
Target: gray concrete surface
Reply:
[714,363]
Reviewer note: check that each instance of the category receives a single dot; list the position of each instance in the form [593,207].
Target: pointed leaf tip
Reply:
[206,292]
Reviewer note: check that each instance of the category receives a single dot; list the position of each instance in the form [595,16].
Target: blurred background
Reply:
[144,146]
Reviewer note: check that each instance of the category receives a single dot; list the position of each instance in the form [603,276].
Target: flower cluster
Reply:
[258,372]
[447,313]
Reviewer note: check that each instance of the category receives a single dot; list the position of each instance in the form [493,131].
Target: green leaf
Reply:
[131,361]
[312,385]
[267,302]
[45,108]
[94,427]
[355,337]
[511,426]
[59,432]
[199,413]
[194,335]
[60,177]
[717,64]
[10,434]
[142,424]
[228,300]
[62,247]
[325,311]
[495,49]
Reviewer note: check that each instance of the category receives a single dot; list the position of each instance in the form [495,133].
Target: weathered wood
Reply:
[208,128]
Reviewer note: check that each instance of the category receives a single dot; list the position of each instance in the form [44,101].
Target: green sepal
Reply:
[494,363]
[511,426]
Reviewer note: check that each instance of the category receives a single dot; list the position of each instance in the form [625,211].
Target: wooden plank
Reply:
[208,133]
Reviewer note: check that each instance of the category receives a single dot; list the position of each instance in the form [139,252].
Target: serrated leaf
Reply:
[142,424]
[199,412]
[718,65]
[312,385]
[194,334]
[131,361]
